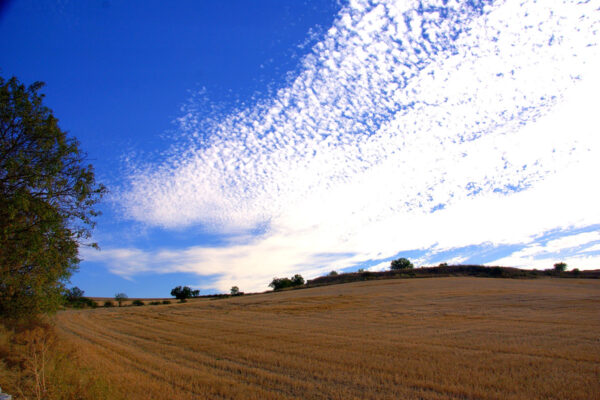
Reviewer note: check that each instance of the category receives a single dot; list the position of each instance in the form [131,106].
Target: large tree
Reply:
[47,199]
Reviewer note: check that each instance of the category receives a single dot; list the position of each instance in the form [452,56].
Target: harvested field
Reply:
[438,338]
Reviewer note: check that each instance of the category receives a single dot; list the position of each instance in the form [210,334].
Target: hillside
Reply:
[433,338]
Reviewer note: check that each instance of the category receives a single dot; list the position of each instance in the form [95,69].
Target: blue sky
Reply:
[246,140]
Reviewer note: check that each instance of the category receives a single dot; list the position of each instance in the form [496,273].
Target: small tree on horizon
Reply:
[401,263]
[182,293]
[280,283]
[235,290]
[74,294]
[297,280]
[120,297]
[560,267]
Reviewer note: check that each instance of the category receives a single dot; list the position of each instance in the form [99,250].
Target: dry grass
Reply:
[439,338]
[34,364]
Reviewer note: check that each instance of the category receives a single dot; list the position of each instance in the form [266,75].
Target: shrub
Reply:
[401,263]
[108,303]
[333,273]
[137,303]
[154,303]
[166,301]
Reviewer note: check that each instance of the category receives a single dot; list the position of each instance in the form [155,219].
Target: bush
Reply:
[166,301]
[401,263]
[154,303]
[108,303]
[333,273]
[137,303]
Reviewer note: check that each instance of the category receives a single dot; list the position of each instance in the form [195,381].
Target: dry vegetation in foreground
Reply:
[35,364]
[435,338]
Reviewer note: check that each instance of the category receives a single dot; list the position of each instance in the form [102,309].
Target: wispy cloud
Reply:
[411,125]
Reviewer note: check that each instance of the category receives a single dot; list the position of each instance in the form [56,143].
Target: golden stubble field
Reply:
[438,338]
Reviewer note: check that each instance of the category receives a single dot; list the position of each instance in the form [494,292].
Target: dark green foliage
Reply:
[47,196]
[120,298]
[560,267]
[108,304]
[83,302]
[137,303]
[282,283]
[73,294]
[74,298]
[154,303]
[401,263]
[297,280]
[166,301]
[333,273]
[184,292]
[235,290]
[453,270]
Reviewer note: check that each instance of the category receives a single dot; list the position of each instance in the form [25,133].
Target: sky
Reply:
[242,141]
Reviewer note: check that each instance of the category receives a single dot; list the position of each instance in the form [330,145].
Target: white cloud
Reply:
[567,248]
[487,113]
[593,248]
[572,241]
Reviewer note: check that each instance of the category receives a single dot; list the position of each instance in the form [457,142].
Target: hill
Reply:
[433,338]
[480,271]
